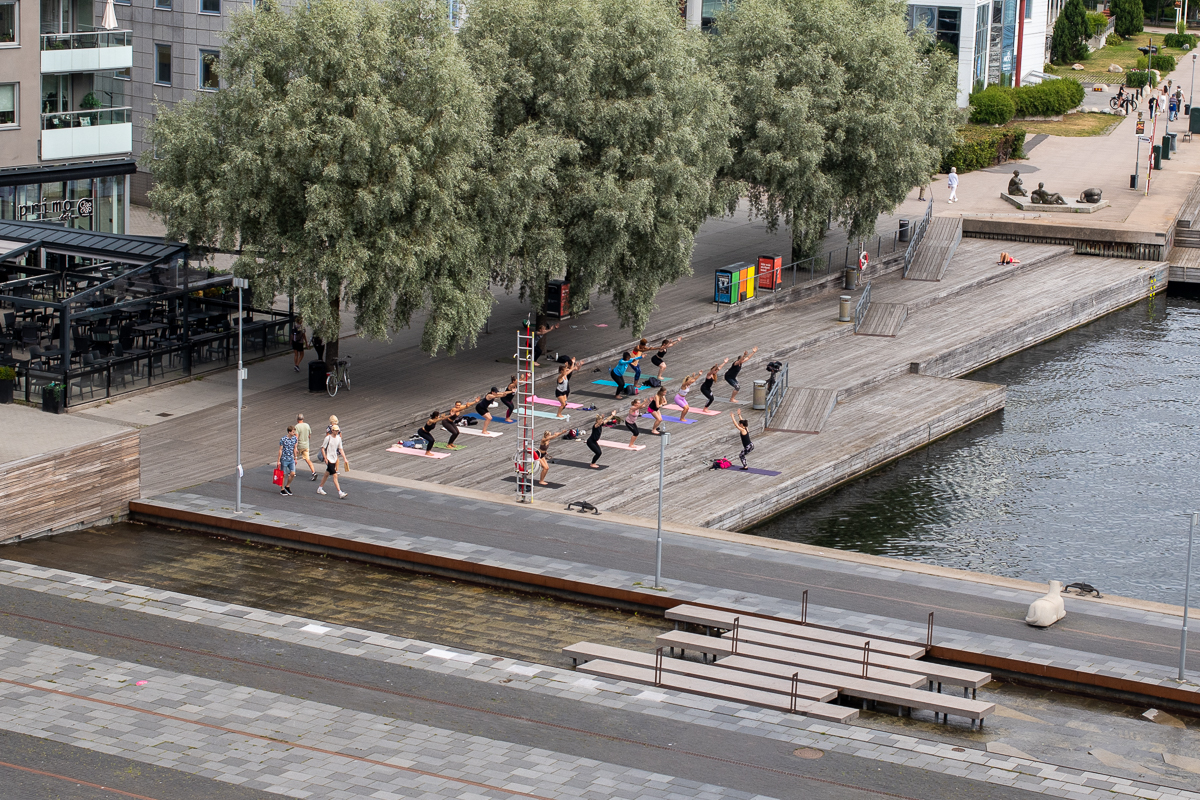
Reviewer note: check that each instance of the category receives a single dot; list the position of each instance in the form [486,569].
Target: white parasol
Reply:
[109,22]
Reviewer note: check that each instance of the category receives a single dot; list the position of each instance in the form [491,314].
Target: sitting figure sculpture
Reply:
[1015,184]
[1047,609]
[1090,196]
[1040,195]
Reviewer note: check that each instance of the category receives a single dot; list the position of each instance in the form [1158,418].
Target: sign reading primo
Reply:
[61,210]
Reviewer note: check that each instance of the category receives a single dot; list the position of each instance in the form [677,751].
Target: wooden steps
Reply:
[720,647]
[588,651]
[719,691]
[936,249]
[883,319]
[804,410]
[724,620]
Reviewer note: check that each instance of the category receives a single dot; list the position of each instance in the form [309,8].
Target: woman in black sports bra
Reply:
[743,432]
[450,423]
[562,387]
[482,404]
[731,374]
[508,397]
[543,453]
[593,440]
[655,408]
[706,387]
[659,359]
[426,430]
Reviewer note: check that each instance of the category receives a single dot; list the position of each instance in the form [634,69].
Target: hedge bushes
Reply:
[1113,40]
[979,148]
[992,107]
[1179,40]
[1047,99]
[1161,62]
[1136,79]
[1097,22]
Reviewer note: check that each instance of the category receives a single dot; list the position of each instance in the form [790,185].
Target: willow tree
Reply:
[336,160]
[840,111]
[607,130]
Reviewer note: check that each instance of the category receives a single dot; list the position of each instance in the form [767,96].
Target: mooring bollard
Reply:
[850,281]
[844,308]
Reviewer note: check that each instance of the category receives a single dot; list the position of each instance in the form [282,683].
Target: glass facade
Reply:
[90,204]
[943,23]
[1008,43]
[979,71]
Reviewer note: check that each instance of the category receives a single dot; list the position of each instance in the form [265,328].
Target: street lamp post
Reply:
[1192,85]
[663,441]
[1187,597]
[239,284]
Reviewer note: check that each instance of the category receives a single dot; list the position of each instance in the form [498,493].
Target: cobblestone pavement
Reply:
[348,740]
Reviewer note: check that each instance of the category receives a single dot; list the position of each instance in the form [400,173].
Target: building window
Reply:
[8,22]
[8,104]
[210,6]
[162,64]
[947,28]
[209,60]
[124,74]
[164,5]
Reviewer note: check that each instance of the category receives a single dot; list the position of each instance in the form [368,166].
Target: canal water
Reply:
[1087,474]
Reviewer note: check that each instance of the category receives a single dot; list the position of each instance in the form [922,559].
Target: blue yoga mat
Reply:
[627,383]
[501,420]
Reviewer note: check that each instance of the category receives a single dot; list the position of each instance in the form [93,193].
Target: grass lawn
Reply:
[1079,124]
[1124,55]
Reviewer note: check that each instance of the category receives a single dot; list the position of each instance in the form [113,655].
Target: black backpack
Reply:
[653,383]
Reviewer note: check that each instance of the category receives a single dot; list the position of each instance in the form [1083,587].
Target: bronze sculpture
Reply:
[1014,185]
[1090,196]
[1042,197]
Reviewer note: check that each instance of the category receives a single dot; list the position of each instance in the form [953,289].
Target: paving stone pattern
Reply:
[265,765]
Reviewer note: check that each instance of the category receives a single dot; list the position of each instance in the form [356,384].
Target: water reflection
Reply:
[1085,476]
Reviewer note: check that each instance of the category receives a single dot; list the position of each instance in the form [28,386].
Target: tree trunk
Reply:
[334,339]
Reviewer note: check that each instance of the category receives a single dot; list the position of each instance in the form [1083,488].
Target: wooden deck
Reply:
[804,410]
[883,319]
[936,250]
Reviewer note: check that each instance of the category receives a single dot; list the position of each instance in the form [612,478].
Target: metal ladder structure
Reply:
[523,459]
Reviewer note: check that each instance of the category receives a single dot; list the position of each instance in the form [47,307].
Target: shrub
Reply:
[1097,22]
[1129,15]
[1180,40]
[1048,98]
[1161,62]
[1136,79]
[993,106]
[8,374]
[1113,40]
[1069,40]
[978,148]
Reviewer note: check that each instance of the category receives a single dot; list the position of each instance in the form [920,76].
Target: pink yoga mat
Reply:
[412,451]
[706,412]
[546,402]
[621,445]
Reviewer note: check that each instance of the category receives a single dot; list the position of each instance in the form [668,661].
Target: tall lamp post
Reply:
[663,440]
[1192,85]
[1187,596]
[239,284]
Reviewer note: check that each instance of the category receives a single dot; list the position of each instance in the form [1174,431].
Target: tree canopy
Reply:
[607,130]
[1129,15]
[336,159]
[1068,43]
[840,112]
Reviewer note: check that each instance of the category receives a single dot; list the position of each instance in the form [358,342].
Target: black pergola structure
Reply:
[100,314]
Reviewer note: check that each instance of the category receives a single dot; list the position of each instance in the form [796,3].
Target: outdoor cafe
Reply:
[93,315]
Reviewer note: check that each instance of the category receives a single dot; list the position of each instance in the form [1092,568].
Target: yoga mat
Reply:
[472,432]
[621,445]
[548,415]
[473,415]
[671,419]
[412,451]
[444,446]
[546,402]
[627,383]
[549,484]
[708,412]
[757,471]
[555,461]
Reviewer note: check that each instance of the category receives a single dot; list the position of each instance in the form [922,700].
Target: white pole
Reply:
[1187,598]
[239,283]
[663,441]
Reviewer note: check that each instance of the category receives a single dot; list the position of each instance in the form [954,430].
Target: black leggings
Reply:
[619,380]
[428,437]
[595,448]
[706,390]
[508,403]
[451,429]
[633,428]
[745,450]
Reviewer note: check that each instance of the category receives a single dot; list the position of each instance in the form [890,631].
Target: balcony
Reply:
[86,134]
[90,51]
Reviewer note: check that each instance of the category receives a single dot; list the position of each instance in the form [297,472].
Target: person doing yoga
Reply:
[638,353]
[483,403]
[635,411]
[731,374]
[562,386]
[655,408]
[539,339]
[659,359]
[508,398]
[593,440]
[744,432]
[450,422]
[618,373]
[542,454]
[710,376]
[681,396]
[426,430]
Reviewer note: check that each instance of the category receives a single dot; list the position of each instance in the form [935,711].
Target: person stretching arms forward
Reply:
[731,374]
[659,359]
[593,440]
[706,386]
[543,450]
[635,411]
[681,396]
[655,408]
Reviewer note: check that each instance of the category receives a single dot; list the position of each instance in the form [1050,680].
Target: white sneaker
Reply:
[342,495]
[321,491]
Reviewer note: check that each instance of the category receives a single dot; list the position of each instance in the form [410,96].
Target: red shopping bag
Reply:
[277,478]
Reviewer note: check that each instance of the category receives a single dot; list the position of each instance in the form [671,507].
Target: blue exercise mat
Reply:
[501,420]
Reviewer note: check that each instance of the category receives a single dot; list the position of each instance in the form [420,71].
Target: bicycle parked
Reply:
[339,378]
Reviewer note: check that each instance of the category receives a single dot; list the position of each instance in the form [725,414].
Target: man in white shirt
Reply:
[332,448]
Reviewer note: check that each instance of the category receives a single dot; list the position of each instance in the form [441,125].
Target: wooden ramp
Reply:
[804,410]
[883,319]
[936,249]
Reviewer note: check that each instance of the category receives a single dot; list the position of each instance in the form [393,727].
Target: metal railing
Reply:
[86,40]
[860,310]
[83,119]
[775,396]
[915,238]
[884,244]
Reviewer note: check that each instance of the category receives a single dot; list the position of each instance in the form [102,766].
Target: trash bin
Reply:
[850,279]
[760,396]
[735,283]
[770,272]
[905,231]
[1174,141]
[317,373]
[1194,120]
[844,308]
[1166,148]
[558,299]
[1158,156]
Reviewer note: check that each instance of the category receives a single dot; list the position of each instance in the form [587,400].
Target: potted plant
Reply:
[7,376]
[89,103]
[52,398]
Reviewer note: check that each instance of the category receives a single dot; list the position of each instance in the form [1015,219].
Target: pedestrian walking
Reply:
[655,408]
[631,419]
[952,182]
[681,395]
[299,342]
[303,433]
[287,459]
[318,345]
[539,339]
[542,454]
[743,428]
[659,359]
[731,374]
[562,386]
[334,451]
[709,378]
[593,440]
[618,373]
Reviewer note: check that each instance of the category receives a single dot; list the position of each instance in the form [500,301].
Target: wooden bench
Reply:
[870,690]
[719,647]
[587,651]
[724,620]
[718,691]
[936,673]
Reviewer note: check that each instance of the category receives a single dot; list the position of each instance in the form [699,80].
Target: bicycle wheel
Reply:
[1114,104]
[331,385]
[346,377]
